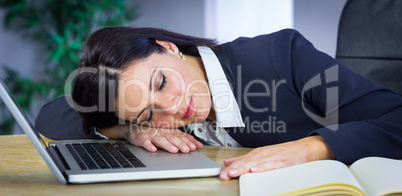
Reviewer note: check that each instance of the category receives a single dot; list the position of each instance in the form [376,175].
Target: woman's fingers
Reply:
[225,175]
[183,141]
[163,143]
[147,144]
[270,157]
[238,170]
[179,143]
[190,144]
[190,141]
[228,162]
[171,140]
[193,141]
[262,168]
[239,166]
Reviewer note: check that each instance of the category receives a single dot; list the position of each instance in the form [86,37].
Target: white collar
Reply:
[225,105]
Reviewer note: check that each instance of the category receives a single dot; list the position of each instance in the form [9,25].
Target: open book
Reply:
[367,176]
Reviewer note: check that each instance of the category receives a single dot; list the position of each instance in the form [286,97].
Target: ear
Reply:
[169,46]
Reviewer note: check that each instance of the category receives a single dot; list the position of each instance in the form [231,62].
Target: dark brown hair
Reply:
[110,50]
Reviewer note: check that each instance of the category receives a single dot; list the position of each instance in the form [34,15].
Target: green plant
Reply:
[61,26]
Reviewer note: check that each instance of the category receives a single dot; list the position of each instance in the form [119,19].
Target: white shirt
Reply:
[225,105]
[226,109]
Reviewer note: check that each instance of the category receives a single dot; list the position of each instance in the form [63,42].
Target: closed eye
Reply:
[151,115]
[163,83]
[161,87]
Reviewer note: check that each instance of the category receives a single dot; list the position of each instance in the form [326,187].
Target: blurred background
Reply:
[40,40]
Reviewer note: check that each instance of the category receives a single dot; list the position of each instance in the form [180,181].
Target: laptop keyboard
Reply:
[103,156]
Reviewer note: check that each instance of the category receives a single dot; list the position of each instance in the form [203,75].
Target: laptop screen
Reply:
[8,97]
[29,129]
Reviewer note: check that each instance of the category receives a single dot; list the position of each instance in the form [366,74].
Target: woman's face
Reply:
[163,91]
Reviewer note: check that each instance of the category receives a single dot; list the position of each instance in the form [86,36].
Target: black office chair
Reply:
[370,40]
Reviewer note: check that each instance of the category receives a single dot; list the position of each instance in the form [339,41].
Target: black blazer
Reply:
[287,90]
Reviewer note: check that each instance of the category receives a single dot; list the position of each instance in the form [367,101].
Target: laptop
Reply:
[92,161]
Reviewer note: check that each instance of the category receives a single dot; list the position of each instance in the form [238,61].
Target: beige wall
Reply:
[316,19]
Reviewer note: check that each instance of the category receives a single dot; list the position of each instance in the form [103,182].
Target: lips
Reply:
[189,109]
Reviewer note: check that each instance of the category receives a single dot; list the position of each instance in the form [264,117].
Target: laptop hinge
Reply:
[58,159]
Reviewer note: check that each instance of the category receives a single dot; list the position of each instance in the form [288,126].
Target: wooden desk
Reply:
[23,172]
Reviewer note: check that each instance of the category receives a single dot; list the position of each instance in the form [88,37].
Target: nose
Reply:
[168,104]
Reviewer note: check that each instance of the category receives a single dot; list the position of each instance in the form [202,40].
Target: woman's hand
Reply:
[172,140]
[277,156]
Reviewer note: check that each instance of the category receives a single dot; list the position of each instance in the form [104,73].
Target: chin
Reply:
[201,116]
[196,119]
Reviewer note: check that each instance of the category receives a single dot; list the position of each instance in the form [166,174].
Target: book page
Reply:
[378,176]
[298,177]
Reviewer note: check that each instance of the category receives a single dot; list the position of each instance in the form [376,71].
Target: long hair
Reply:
[110,51]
